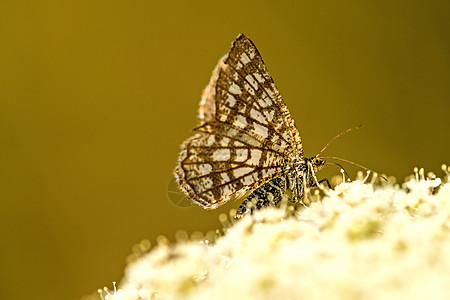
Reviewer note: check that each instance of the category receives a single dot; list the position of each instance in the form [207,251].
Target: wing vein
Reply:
[234,180]
[256,102]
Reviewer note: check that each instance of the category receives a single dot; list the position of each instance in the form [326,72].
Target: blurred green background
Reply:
[97,96]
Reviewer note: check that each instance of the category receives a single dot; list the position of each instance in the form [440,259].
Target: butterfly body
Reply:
[290,185]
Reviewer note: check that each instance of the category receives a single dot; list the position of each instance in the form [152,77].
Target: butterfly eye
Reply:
[317,161]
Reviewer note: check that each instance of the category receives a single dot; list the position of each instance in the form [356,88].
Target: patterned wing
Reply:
[246,134]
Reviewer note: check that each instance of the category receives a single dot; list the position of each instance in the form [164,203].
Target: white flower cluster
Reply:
[359,242]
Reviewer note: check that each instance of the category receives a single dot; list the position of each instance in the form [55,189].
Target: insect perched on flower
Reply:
[246,146]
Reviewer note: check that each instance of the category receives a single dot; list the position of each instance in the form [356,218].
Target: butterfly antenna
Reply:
[355,164]
[338,136]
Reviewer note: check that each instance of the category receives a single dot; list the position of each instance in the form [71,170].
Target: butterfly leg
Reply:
[269,194]
[321,181]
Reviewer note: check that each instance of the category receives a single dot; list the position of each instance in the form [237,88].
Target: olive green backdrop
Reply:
[97,96]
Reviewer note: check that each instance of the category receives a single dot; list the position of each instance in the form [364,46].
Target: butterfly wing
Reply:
[246,134]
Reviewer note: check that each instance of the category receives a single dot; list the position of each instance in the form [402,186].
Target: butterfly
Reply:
[246,145]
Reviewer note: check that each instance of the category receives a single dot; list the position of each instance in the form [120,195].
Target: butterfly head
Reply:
[317,162]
